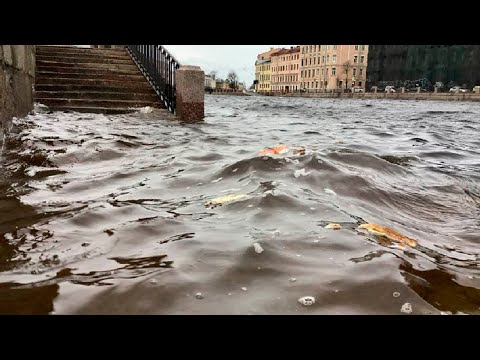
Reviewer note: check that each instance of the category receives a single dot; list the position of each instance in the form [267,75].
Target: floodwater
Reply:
[108,214]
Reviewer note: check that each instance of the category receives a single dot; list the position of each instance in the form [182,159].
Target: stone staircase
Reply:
[90,80]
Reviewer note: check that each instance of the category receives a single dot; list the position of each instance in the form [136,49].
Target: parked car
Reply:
[456,89]
[357,89]
[476,89]
[390,88]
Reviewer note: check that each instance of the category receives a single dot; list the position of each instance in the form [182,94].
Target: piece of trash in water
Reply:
[258,248]
[333,226]
[235,170]
[244,288]
[219,179]
[199,295]
[229,294]
[146,110]
[312,208]
[294,161]
[280,149]
[331,192]
[250,206]
[301,172]
[396,294]
[388,233]
[292,279]
[406,308]
[299,152]
[224,199]
[153,281]
[316,241]
[307,300]
[470,277]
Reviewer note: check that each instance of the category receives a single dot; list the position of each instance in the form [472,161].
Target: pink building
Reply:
[285,70]
[333,67]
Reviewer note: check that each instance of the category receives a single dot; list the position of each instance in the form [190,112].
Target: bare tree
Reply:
[346,68]
[232,79]
[213,74]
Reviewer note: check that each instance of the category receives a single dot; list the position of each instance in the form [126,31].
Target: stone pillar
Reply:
[435,90]
[375,89]
[190,93]
[403,89]
[418,89]
[17,76]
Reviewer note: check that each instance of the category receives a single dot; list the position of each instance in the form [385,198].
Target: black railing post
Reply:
[159,67]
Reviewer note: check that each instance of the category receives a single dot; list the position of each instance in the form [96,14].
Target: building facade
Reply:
[210,82]
[263,71]
[449,64]
[331,67]
[285,70]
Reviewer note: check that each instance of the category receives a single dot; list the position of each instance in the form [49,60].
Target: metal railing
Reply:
[159,67]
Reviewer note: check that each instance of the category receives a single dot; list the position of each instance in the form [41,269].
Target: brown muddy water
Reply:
[107,214]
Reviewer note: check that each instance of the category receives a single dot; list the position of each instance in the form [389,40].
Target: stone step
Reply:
[91,109]
[80,51]
[77,50]
[97,66]
[69,53]
[78,59]
[99,103]
[135,87]
[87,71]
[40,75]
[93,81]
[93,95]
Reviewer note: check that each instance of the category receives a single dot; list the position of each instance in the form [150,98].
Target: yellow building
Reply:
[263,71]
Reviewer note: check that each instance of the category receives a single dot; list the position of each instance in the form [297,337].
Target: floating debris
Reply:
[307,300]
[316,241]
[406,308]
[299,152]
[225,199]
[470,277]
[199,296]
[146,110]
[234,170]
[388,233]
[85,244]
[301,172]
[229,294]
[244,288]
[277,150]
[396,294]
[333,226]
[292,279]
[331,192]
[258,248]
[153,281]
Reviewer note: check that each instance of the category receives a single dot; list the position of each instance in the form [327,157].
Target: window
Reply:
[334,71]
[328,59]
[314,61]
[355,59]
[326,72]
[362,59]
[359,83]
[334,47]
[356,47]
[308,73]
[302,62]
[316,84]
[363,47]
[361,71]
[310,62]
[334,59]
[323,59]
[354,72]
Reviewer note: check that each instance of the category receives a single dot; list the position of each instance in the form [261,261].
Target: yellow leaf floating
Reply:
[333,226]
[389,234]
[225,199]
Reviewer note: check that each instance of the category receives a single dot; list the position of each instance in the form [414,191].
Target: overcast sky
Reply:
[221,58]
